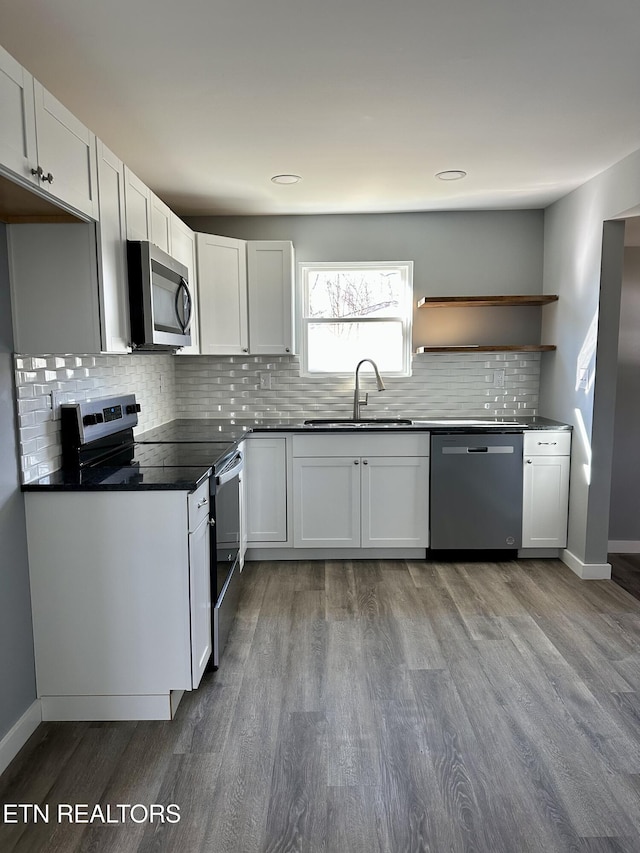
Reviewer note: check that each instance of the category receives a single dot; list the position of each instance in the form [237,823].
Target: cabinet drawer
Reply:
[199,505]
[372,444]
[547,443]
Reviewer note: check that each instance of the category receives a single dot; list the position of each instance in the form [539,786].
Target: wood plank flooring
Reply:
[376,707]
[625,571]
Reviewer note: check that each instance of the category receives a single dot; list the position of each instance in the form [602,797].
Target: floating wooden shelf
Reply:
[490,348]
[481,301]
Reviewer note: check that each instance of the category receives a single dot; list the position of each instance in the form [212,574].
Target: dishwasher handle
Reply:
[498,448]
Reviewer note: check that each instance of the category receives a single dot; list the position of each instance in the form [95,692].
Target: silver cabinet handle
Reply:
[529,461]
[47,178]
[548,443]
[365,462]
[212,522]
[202,503]
[356,461]
[245,349]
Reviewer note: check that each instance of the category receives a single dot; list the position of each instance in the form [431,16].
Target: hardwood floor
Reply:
[376,707]
[625,571]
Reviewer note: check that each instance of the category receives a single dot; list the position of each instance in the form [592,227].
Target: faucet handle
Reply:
[365,402]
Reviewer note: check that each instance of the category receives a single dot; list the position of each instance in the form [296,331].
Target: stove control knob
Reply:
[132,408]
[92,420]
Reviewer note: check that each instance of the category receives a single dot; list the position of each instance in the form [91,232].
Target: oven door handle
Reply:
[231,470]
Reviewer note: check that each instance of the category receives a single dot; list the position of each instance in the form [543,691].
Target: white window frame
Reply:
[405,316]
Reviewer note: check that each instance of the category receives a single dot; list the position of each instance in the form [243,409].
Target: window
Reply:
[352,311]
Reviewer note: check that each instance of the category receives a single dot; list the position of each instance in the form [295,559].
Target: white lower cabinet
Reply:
[120,598]
[545,489]
[395,502]
[361,491]
[326,497]
[265,490]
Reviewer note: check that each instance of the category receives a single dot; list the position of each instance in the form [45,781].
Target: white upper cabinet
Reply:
[53,271]
[222,287]
[246,296]
[112,262]
[270,265]
[138,207]
[183,249]
[43,145]
[18,126]
[66,154]
[160,224]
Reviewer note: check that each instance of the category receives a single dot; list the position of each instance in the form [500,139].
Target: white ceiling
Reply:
[366,99]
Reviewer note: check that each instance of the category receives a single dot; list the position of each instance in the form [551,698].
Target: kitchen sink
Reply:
[349,423]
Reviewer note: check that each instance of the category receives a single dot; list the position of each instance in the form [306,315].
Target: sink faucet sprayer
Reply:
[357,402]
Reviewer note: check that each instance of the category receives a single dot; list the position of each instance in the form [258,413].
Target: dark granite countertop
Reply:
[213,430]
[122,478]
[211,439]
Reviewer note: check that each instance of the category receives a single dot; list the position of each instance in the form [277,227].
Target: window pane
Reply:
[355,293]
[338,347]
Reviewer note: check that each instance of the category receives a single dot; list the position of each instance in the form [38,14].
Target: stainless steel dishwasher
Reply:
[476,491]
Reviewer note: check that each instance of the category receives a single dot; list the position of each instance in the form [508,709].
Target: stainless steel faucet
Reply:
[357,402]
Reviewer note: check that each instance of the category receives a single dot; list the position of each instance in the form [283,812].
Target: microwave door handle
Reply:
[183,291]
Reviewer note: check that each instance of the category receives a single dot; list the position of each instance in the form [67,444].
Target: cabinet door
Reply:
[270,287]
[222,288]
[137,206]
[326,494]
[395,502]
[53,272]
[545,501]
[67,152]
[183,249]
[160,223]
[200,599]
[112,263]
[266,489]
[18,126]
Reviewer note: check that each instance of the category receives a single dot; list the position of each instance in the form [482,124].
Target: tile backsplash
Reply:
[442,385]
[74,378]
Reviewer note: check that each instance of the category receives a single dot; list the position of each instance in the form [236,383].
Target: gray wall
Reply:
[17,674]
[454,253]
[583,263]
[624,518]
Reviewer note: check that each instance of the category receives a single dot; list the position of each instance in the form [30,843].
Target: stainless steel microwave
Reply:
[160,301]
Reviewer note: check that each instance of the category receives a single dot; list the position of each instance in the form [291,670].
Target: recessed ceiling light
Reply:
[451,175]
[286,179]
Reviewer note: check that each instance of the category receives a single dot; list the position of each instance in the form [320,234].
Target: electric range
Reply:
[99,451]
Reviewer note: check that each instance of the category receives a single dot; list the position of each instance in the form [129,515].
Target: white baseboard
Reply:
[624,546]
[19,734]
[586,571]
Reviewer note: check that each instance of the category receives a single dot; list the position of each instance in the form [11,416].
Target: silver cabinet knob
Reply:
[245,349]
[356,461]
[529,461]
[202,503]
[212,522]
[287,349]
[365,462]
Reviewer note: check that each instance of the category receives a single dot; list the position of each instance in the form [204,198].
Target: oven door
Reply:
[227,548]
[227,518]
